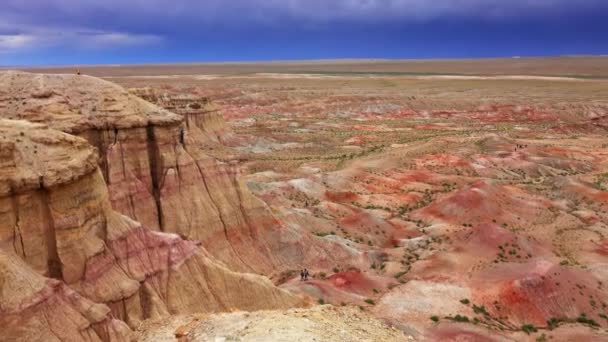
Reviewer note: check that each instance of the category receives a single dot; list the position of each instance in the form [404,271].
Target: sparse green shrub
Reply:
[321,301]
[480,310]
[553,323]
[435,319]
[528,328]
[465,301]
[585,320]
[459,318]
[370,301]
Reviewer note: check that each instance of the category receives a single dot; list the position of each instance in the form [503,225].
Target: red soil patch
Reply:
[484,202]
[359,219]
[428,127]
[380,184]
[403,113]
[353,281]
[512,113]
[345,196]
[415,176]
[491,239]
[538,291]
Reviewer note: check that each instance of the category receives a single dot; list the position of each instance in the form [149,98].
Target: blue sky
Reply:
[46,32]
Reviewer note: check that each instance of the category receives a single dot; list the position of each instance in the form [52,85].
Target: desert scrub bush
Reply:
[370,301]
[465,301]
[321,301]
[553,323]
[480,310]
[460,318]
[585,320]
[435,319]
[528,328]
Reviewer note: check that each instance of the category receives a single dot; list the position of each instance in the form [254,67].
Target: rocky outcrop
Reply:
[56,216]
[157,172]
[35,308]
[208,123]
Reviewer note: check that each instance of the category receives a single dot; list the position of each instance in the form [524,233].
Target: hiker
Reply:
[306,274]
[302,274]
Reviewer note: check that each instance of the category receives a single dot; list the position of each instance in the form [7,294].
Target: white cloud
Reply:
[37,38]
[15,41]
[115,39]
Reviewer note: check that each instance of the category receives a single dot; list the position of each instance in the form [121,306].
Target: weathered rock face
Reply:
[75,104]
[35,308]
[157,173]
[209,123]
[55,214]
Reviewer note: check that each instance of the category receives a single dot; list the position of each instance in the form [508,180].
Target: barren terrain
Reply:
[431,200]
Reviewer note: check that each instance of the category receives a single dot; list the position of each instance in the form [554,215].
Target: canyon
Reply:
[169,205]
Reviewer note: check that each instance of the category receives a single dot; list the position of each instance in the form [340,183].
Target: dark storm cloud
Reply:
[107,24]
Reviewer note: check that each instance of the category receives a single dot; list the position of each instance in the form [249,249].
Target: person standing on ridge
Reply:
[306,274]
[302,275]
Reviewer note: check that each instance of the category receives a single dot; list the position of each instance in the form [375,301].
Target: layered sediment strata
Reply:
[55,215]
[156,171]
[35,308]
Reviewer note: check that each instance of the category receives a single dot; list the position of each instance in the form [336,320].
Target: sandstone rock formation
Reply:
[158,175]
[106,269]
[35,308]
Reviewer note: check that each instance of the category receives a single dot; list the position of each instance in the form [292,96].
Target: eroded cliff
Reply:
[158,173]
[107,269]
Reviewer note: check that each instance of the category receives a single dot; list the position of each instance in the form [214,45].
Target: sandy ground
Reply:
[321,323]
